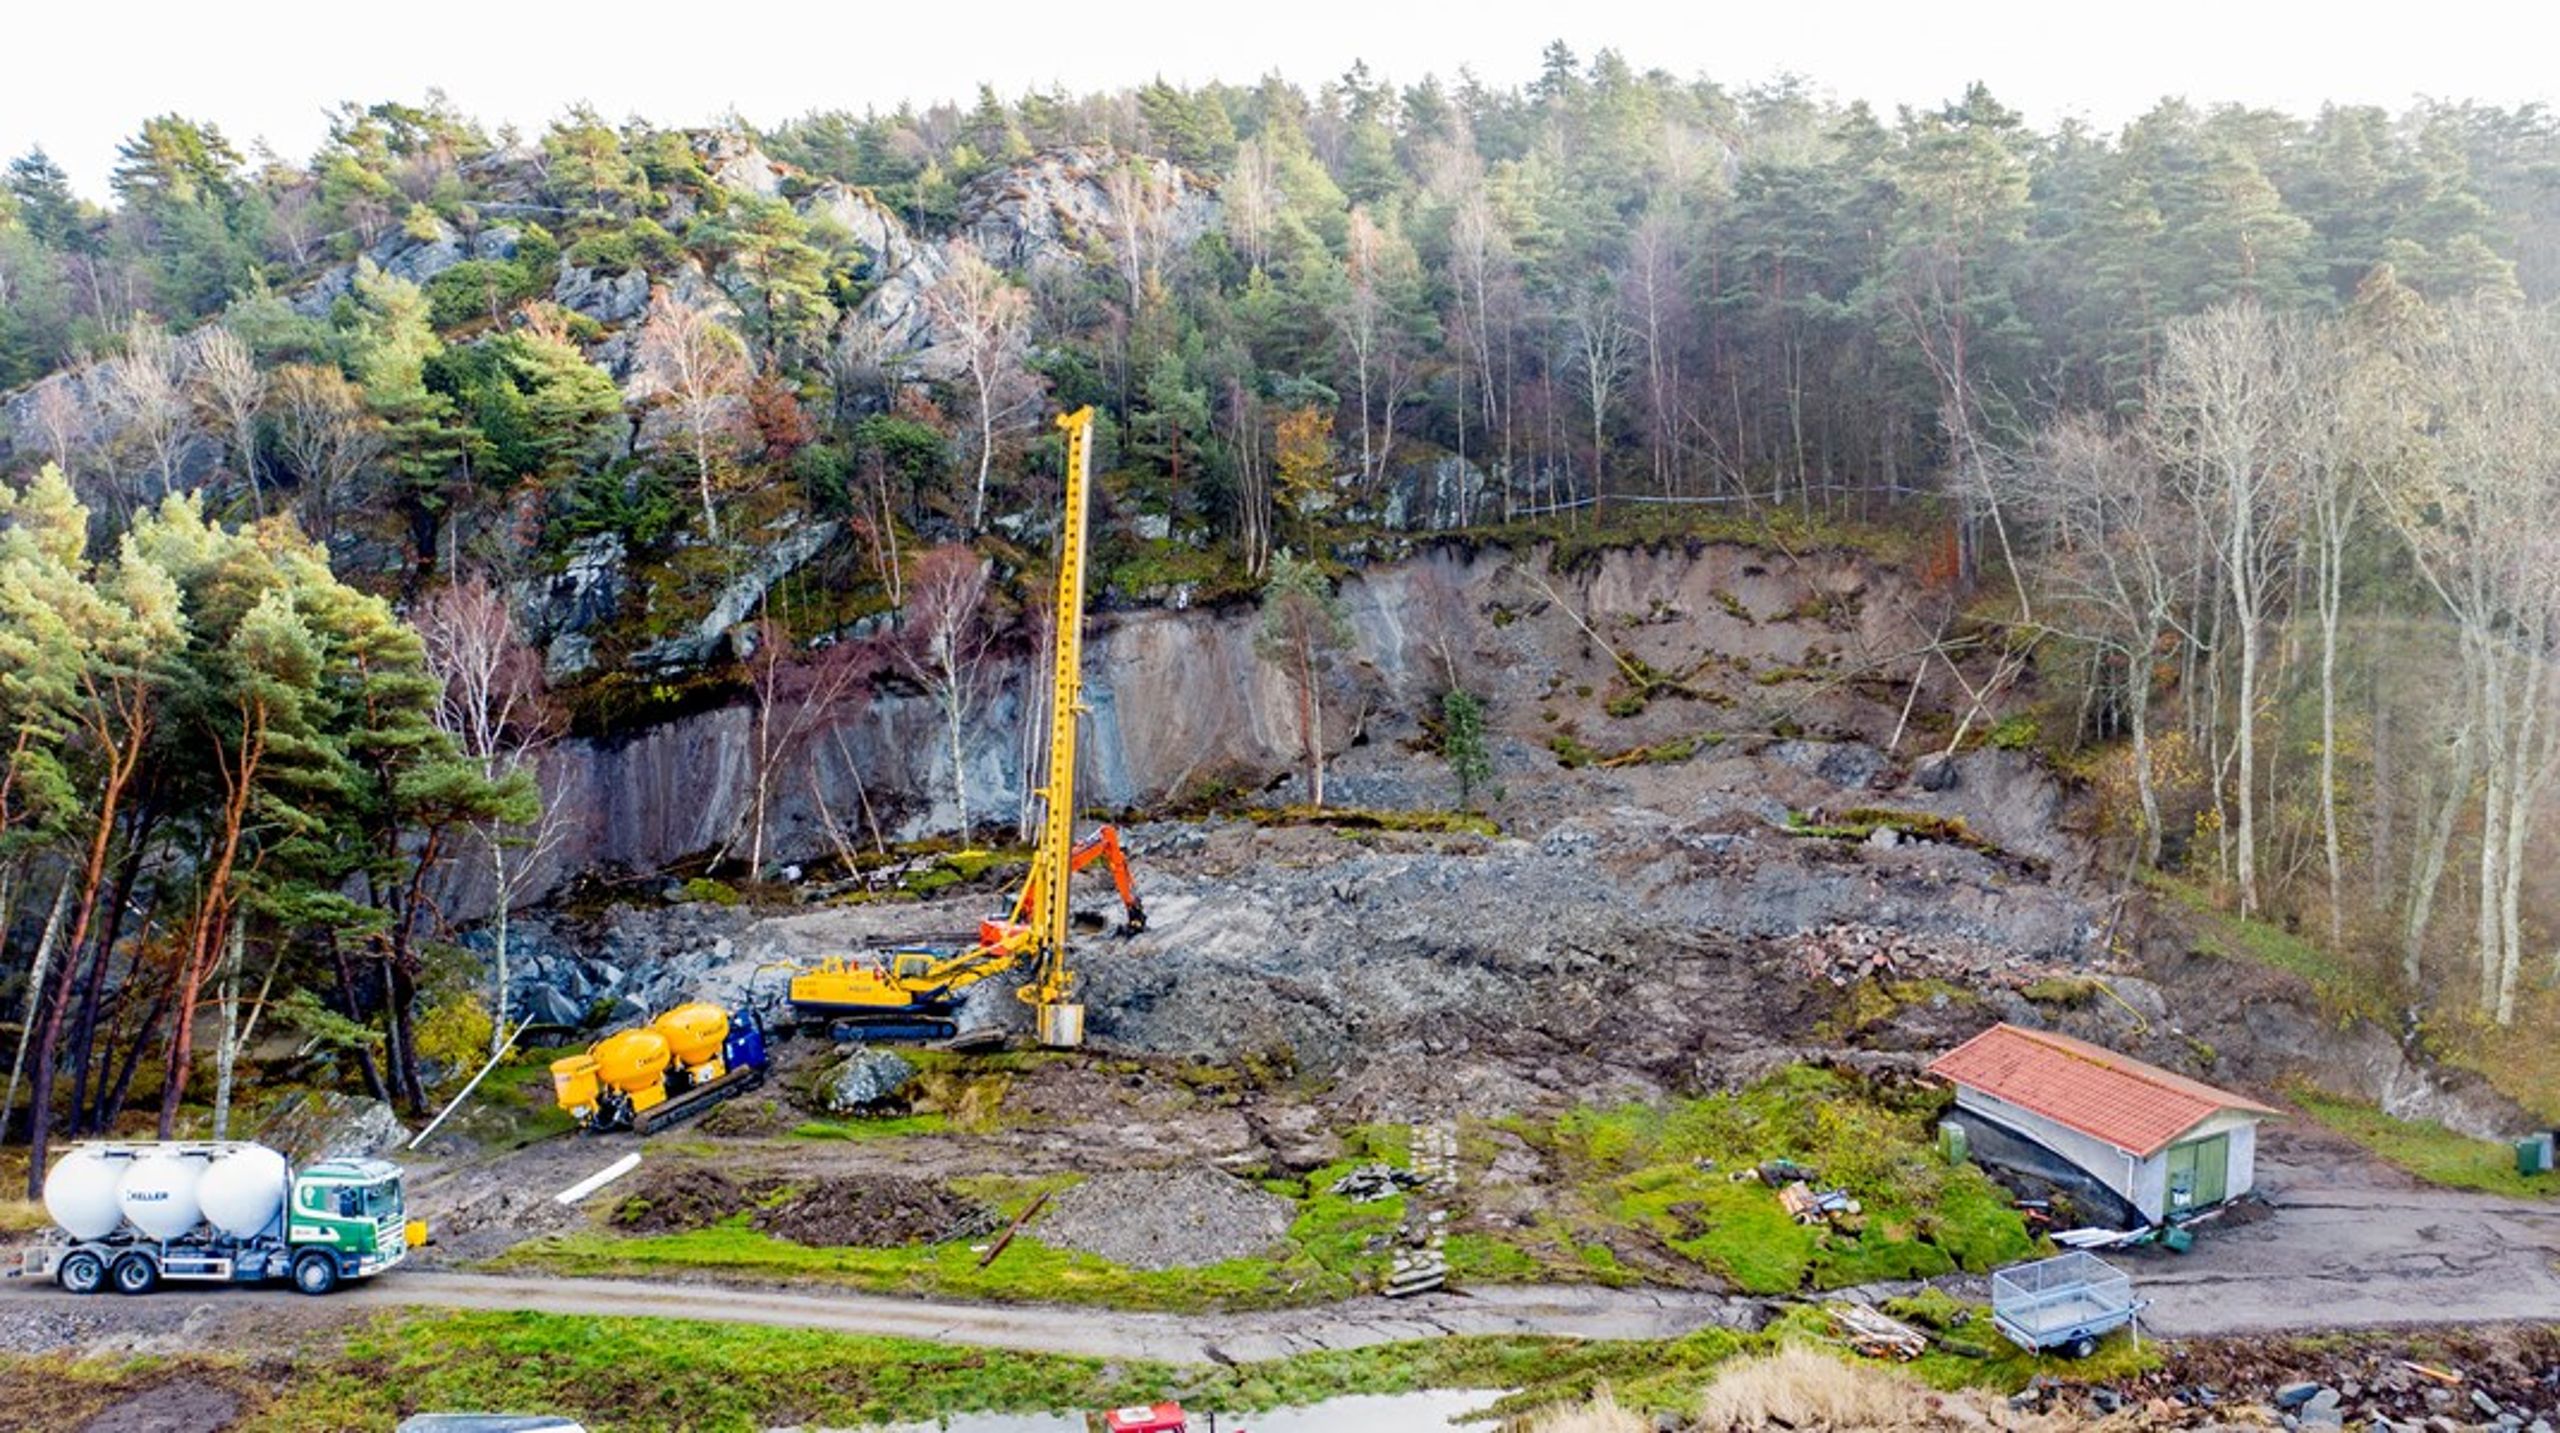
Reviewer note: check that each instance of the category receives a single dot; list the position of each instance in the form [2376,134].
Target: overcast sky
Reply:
[84,74]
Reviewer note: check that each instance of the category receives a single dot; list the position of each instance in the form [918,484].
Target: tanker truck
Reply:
[130,1214]
[650,1076]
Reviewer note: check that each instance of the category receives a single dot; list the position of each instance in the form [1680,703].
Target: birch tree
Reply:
[234,392]
[2480,513]
[702,367]
[490,704]
[146,390]
[977,311]
[325,435]
[2226,410]
[946,648]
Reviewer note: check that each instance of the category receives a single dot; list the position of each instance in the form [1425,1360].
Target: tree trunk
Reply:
[58,999]
[498,929]
[35,991]
[85,1034]
[355,1011]
[2437,850]
[226,1057]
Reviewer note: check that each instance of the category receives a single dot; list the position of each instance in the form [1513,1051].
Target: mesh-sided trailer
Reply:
[2068,1303]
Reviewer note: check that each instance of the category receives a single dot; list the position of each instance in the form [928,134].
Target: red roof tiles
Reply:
[2136,1107]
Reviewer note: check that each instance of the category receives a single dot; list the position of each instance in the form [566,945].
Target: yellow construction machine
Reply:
[914,993]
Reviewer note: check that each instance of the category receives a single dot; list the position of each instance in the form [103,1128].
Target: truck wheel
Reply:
[2083,1346]
[81,1272]
[136,1274]
[315,1273]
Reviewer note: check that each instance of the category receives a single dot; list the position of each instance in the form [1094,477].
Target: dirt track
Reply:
[1098,1333]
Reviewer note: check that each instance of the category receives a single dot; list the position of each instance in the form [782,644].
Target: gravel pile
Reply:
[1165,1219]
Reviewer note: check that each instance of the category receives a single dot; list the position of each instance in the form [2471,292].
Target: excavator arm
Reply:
[1103,846]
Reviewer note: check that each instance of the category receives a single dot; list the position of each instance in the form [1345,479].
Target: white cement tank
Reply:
[158,1193]
[80,1193]
[243,1191]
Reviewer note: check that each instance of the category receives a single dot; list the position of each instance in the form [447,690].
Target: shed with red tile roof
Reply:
[2161,1142]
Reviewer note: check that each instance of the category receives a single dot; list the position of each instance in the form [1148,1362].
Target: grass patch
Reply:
[2426,1149]
[1573,755]
[1870,1003]
[1865,821]
[895,1127]
[615,1374]
[1353,818]
[1028,1272]
[2342,990]
[1667,1171]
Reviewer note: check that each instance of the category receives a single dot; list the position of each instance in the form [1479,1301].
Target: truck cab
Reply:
[347,1219]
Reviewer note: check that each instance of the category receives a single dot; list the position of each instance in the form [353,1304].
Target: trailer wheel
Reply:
[81,1272]
[315,1273]
[135,1274]
[2083,1346]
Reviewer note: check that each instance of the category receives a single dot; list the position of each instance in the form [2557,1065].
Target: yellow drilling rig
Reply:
[914,994]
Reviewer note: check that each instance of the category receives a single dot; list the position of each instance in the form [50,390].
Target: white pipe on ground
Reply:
[599,1179]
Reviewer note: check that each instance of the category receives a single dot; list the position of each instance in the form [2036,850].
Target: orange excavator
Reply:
[915,993]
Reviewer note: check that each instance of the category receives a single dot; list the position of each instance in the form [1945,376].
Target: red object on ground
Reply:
[1157,1418]
[2136,1107]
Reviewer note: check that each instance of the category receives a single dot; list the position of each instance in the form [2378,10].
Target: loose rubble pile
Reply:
[877,1211]
[1369,1183]
[670,1199]
[2505,1381]
[1165,1219]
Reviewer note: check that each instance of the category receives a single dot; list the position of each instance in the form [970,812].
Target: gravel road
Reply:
[1097,1333]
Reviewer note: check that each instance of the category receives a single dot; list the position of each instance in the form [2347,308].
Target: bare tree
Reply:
[146,389]
[234,391]
[1142,193]
[1359,319]
[947,648]
[985,317]
[792,695]
[2226,407]
[1654,300]
[703,368]
[493,709]
[2117,553]
[59,423]
[1251,199]
[2481,515]
[1599,336]
[325,434]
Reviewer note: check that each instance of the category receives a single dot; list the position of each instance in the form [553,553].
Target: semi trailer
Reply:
[129,1214]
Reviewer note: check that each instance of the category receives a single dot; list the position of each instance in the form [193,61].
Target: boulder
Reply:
[606,298]
[329,1124]
[864,1079]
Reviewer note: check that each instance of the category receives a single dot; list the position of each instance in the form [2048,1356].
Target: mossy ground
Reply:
[616,1374]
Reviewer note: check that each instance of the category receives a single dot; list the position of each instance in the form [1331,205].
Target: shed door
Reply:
[2199,1173]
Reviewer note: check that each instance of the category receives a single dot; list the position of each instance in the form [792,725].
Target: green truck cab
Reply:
[354,1210]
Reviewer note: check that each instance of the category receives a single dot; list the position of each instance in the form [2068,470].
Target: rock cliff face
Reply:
[1180,699]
